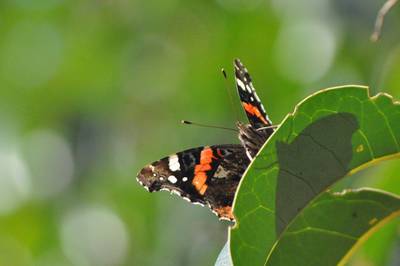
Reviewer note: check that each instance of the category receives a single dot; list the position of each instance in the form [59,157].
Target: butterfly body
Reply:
[210,175]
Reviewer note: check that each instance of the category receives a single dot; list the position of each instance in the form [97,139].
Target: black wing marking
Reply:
[206,175]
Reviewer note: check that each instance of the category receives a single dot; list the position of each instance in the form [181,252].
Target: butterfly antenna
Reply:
[229,91]
[186,122]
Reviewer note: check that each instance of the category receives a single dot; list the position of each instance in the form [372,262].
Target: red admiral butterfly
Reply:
[209,175]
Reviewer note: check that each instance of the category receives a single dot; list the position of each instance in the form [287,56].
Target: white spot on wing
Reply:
[173,163]
[248,89]
[240,84]
[141,183]
[224,218]
[184,179]
[175,192]
[252,87]
[172,179]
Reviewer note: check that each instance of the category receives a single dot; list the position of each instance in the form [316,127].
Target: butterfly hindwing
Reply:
[251,103]
[206,175]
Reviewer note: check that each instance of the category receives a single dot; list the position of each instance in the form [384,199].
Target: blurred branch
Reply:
[380,18]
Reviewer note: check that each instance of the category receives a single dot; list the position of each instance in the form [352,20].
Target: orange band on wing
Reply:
[200,176]
[253,110]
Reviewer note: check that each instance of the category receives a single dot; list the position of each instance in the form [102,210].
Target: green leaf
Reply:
[356,214]
[331,134]
[379,249]
[332,226]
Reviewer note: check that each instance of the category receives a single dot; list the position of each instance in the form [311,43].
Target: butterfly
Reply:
[210,175]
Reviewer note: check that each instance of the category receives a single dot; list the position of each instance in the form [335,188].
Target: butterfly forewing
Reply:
[251,103]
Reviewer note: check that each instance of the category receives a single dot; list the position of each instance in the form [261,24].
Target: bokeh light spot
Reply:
[94,236]
[305,51]
[15,185]
[293,10]
[50,162]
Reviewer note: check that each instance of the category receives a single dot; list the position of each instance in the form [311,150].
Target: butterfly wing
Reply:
[206,175]
[251,103]
[253,135]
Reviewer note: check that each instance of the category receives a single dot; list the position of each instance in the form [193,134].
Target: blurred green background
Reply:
[91,91]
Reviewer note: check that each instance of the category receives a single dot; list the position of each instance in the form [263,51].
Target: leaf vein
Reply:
[321,230]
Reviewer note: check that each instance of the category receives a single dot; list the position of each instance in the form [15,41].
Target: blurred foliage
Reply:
[88,90]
